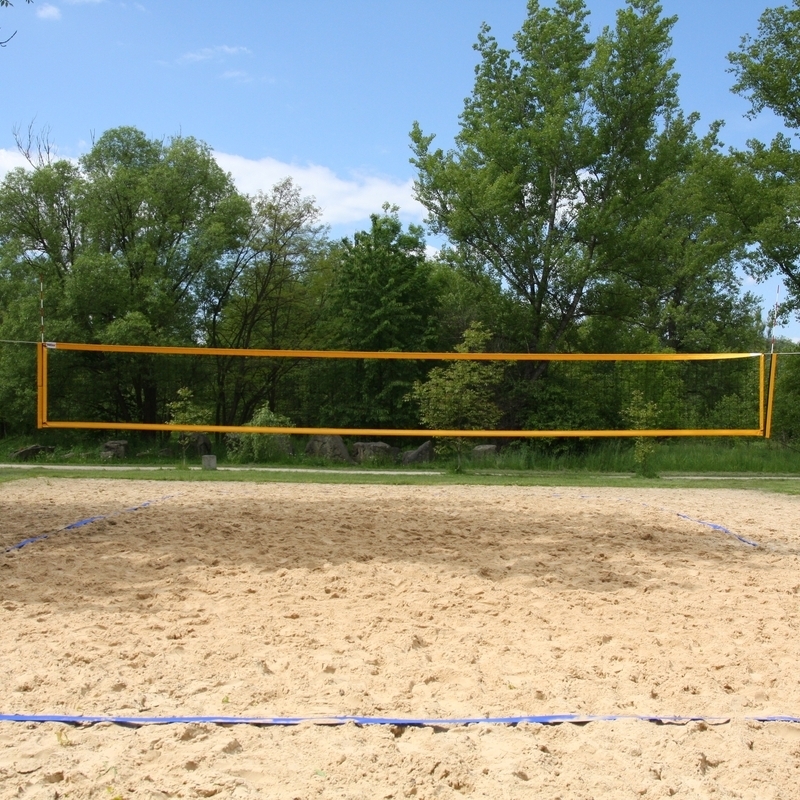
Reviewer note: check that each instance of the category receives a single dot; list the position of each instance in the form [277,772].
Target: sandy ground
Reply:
[245,599]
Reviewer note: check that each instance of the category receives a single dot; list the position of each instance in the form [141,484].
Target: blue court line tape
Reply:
[713,525]
[545,719]
[717,527]
[81,522]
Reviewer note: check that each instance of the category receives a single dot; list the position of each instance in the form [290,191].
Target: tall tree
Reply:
[767,70]
[124,240]
[767,67]
[677,286]
[563,148]
[265,293]
[382,299]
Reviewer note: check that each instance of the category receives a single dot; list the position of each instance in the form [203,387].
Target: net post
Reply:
[42,404]
[761,391]
[773,371]
[39,384]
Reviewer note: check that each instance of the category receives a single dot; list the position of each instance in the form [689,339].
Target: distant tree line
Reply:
[582,211]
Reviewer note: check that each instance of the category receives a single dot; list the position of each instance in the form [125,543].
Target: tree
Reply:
[382,299]
[6,4]
[562,149]
[184,411]
[678,286]
[124,240]
[263,294]
[767,70]
[460,396]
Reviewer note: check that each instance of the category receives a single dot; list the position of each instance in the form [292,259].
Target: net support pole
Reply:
[762,374]
[773,371]
[41,373]
[39,385]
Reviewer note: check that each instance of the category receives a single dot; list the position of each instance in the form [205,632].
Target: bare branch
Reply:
[37,148]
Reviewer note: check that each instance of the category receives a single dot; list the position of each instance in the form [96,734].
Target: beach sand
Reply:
[305,600]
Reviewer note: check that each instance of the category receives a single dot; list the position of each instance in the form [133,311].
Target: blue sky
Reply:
[323,90]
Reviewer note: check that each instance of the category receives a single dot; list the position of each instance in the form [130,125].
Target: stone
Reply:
[116,448]
[27,453]
[330,447]
[484,451]
[209,462]
[375,451]
[421,455]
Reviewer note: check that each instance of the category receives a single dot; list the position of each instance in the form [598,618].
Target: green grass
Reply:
[718,456]
[789,485]
[589,463]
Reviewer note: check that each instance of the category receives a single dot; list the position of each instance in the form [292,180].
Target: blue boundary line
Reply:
[539,719]
[544,719]
[89,520]
[82,522]
[713,525]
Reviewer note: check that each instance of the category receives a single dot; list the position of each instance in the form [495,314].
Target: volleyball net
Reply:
[126,387]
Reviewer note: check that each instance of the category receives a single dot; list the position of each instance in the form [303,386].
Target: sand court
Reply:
[303,600]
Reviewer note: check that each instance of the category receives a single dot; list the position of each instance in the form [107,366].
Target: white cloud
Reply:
[342,200]
[10,159]
[209,53]
[235,74]
[48,12]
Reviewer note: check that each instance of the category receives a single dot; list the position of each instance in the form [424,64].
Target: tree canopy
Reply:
[767,70]
[579,209]
[565,169]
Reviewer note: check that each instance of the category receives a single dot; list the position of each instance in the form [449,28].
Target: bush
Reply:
[248,448]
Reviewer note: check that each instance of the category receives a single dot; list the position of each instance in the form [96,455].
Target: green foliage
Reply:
[382,299]
[460,396]
[252,448]
[643,414]
[583,215]
[568,154]
[786,419]
[767,68]
[267,292]
[185,411]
